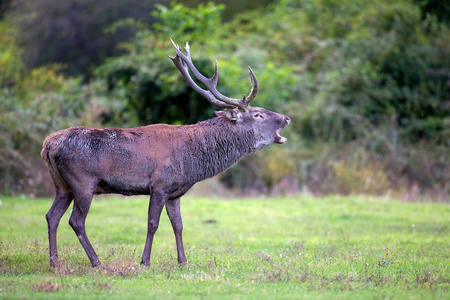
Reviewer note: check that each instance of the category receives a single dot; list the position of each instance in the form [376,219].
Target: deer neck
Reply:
[215,145]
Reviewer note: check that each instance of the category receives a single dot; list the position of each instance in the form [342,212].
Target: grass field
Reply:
[334,247]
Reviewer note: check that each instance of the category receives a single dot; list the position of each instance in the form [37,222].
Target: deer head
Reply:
[265,124]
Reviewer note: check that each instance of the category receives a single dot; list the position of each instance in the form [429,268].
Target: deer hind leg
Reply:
[157,202]
[173,211]
[77,220]
[53,216]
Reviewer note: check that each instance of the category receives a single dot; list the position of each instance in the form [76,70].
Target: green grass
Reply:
[334,247]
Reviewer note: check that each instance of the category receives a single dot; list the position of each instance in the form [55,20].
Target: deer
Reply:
[159,160]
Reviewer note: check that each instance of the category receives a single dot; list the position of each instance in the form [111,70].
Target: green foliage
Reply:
[178,21]
[50,103]
[352,75]
[33,104]
[374,74]
[363,65]
[334,247]
[11,66]
[159,94]
[146,76]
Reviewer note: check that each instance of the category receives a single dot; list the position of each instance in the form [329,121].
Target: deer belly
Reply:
[123,187]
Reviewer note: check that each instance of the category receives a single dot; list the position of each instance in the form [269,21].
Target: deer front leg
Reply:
[157,202]
[173,211]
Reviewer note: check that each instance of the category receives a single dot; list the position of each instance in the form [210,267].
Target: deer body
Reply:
[163,161]
[131,161]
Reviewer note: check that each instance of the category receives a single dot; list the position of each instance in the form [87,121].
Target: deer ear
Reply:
[219,113]
[233,114]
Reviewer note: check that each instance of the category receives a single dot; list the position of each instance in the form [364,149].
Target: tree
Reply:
[72,32]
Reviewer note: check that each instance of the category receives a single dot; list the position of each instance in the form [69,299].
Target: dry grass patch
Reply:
[47,286]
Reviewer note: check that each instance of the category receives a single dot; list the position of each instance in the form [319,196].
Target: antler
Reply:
[184,64]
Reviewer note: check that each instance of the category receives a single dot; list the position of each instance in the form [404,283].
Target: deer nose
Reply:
[287,119]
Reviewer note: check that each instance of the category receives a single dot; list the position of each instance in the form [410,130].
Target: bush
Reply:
[368,75]
[33,104]
[50,103]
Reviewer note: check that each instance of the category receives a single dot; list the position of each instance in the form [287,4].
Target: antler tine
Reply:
[215,77]
[182,67]
[254,89]
[203,79]
[187,60]
[211,83]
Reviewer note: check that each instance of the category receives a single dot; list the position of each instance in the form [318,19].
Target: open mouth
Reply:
[280,139]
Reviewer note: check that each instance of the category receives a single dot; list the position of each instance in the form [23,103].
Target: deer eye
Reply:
[258,116]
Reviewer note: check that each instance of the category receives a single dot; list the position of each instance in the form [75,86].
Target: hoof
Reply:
[54,262]
[96,264]
[144,263]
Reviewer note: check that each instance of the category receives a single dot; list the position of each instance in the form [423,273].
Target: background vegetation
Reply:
[366,84]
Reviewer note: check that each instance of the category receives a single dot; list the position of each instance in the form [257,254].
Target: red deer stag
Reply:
[163,161]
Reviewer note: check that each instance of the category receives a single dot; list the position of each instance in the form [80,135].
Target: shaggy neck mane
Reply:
[215,145]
